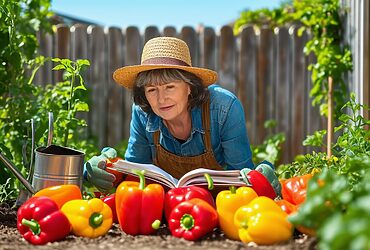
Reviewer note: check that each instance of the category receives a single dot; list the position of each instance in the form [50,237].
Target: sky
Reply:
[161,13]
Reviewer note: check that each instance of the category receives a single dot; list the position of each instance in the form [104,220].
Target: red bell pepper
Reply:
[110,200]
[40,221]
[258,182]
[294,189]
[139,206]
[192,219]
[177,195]
[119,176]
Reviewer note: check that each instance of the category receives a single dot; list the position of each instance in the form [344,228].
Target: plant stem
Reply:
[69,107]
[330,116]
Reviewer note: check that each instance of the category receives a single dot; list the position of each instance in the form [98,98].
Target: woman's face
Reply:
[170,100]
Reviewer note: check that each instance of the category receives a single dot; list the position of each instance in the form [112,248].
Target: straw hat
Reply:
[161,53]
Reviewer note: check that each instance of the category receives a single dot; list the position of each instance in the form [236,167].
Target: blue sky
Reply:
[142,13]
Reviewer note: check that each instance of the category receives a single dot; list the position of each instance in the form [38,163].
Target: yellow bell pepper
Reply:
[262,221]
[89,218]
[227,202]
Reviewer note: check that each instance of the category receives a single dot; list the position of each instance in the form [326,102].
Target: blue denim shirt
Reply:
[228,133]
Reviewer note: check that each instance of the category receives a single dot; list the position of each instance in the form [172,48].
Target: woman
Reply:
[180,121]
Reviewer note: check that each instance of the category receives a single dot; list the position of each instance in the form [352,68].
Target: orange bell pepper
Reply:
[262,221]
[139,208]
[61,193]
[294,189]
[227,202]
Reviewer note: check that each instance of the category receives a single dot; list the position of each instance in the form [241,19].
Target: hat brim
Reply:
[126,76]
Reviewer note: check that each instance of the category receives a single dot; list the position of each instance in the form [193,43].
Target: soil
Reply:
[117,239]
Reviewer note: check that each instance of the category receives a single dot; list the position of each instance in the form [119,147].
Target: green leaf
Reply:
[59,67]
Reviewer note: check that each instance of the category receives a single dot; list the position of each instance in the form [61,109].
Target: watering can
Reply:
[54,165]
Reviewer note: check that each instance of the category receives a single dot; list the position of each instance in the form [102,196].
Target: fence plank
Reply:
[97,82]
[207,48]
[150,32]
[79,51]
[265,85]
[132,53]
[44,76]
[62,47]
[170,31]
[190,37]
[247,80]
[298,93]
[227,59]
[115,112]
[283,102]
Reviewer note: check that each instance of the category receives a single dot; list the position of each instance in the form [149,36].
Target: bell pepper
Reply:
[294,189]
[227,202]
[139,207]
[89,218]
[269,173]
[262,221]
[40,221]
[258,182]
[177,195]
[61,193]
[119,175]
[192,219]
[110,200]
[286,206]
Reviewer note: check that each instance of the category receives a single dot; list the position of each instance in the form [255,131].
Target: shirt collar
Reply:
[155,122]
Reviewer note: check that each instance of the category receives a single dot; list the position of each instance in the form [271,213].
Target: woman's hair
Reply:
[198,92]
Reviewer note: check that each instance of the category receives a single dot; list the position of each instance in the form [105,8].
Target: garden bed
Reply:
[116,239]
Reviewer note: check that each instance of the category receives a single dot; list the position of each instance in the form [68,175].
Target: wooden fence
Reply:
[266,69]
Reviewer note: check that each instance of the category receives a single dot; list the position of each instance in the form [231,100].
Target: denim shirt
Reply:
[229,138]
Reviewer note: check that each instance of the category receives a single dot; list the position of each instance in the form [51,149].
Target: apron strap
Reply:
[206,123]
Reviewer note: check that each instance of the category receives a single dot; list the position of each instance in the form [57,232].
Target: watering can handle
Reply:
[17,173]
[51,128]
[31,167]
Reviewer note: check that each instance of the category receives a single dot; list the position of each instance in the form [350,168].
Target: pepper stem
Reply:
[232,189]
[209,181]
[141,177]
[95,220]
[33,225]
[187,221]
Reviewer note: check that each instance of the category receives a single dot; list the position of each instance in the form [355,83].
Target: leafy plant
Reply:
[353,139]
[337,207]
[270,149]
[19,22]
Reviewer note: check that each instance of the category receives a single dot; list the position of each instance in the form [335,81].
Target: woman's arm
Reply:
[234,138]
[138,148]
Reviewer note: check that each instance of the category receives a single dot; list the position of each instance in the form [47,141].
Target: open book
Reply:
[194,177]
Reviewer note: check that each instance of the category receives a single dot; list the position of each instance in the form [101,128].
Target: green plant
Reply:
[19,22]
[6,191]
[336,207]
[353,139]
[270,149]
[70,98]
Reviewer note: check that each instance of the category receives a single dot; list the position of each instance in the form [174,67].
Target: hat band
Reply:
[164,60]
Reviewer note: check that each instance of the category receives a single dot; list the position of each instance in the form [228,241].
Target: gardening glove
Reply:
[94,170]
[268,170]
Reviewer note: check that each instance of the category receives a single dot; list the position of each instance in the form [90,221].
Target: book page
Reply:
[151,172]
[219,177]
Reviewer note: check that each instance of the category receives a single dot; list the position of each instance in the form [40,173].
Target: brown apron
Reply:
[176,165]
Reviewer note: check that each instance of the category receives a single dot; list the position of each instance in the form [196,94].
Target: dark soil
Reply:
[117,239]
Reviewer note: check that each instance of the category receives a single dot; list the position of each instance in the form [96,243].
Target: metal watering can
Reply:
[54,165]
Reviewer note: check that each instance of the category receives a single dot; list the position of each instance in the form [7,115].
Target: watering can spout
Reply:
[17,173]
